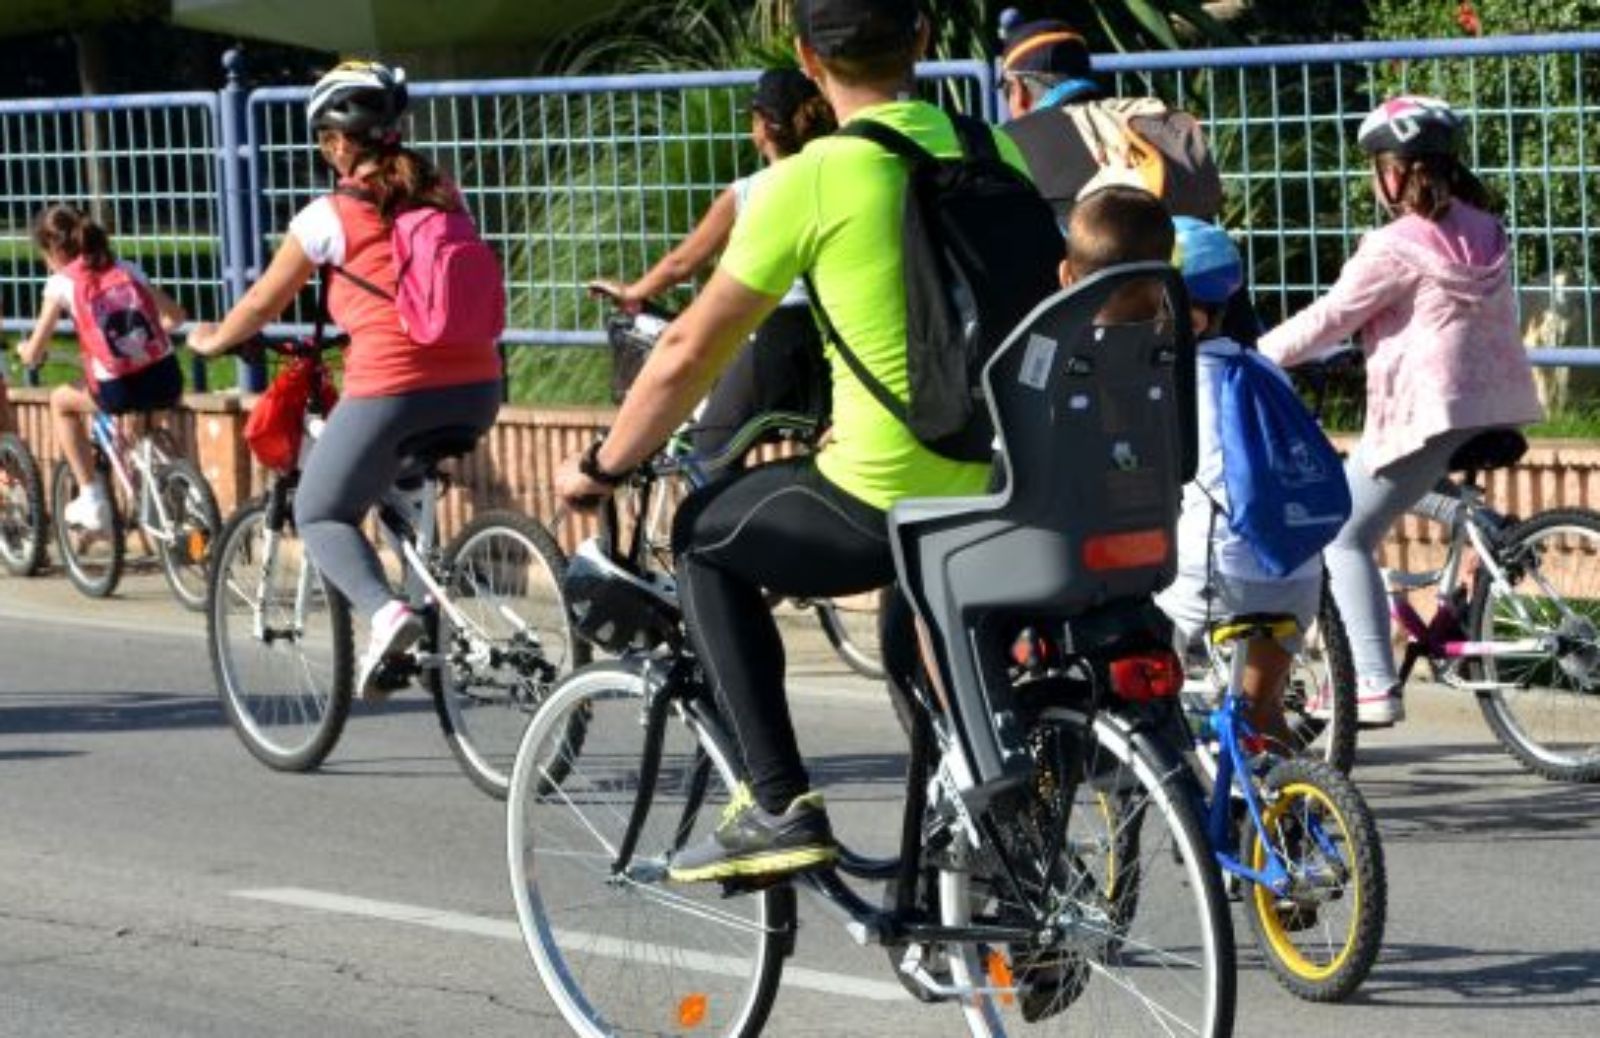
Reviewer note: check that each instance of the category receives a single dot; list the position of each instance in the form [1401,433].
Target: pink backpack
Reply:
[117,320]
[448,287]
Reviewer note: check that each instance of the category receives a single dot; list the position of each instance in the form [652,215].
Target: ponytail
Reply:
[63,231]
[1428,184]
[811,119]
[402,179]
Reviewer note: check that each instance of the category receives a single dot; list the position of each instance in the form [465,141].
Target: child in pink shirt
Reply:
[1430,296]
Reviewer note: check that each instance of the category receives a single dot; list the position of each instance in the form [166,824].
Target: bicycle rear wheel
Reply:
[1547,712]
[93,560]
[22,512]
[280,642]
[1142,939]
[192,524]
[1322,938]
[503,574]
[626,953]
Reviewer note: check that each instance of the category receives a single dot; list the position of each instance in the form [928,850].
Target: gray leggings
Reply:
[1377,501]
[355,461]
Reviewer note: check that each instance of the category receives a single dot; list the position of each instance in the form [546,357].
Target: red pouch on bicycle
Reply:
[276,424]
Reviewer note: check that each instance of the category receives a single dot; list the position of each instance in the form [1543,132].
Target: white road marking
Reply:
[609,947]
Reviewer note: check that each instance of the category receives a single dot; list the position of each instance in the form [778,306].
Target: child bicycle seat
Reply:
[1489,450]
[1096,436]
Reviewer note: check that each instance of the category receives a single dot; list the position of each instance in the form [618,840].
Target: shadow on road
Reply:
[1419,975]
[9,756]
[87,713]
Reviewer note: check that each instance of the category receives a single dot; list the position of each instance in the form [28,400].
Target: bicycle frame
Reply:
[134,470]
[1433,639]
[1227,722]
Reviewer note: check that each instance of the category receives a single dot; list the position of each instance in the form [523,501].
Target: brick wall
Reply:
[512,468]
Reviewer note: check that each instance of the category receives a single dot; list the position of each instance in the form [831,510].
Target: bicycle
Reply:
[281,639]
[1051,868]
[150,489]
[1523,633]
[1292,830]
[850,625]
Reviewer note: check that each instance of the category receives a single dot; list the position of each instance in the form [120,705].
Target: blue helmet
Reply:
[1208,260]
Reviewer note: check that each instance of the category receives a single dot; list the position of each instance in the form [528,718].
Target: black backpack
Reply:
[980,249]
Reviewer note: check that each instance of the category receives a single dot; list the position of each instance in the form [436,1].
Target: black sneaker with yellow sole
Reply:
[751,843]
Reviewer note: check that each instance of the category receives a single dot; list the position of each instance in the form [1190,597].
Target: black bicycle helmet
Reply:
[615,608]
[360,98]
[1411,126]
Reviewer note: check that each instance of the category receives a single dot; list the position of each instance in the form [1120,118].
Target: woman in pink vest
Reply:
[394,388]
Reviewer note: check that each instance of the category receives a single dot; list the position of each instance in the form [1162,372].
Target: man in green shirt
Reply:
[811,527]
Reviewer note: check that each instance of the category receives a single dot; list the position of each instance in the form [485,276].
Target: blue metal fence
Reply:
[574,178]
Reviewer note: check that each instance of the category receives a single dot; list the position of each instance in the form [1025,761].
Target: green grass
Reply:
[19,248]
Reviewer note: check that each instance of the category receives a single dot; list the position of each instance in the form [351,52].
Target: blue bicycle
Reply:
[1292,835]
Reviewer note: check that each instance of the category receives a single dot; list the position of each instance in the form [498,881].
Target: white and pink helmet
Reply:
[1411,126]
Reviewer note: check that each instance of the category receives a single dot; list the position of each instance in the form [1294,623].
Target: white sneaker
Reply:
[89,512]
[1319,704]
[1380,709]
[395,628]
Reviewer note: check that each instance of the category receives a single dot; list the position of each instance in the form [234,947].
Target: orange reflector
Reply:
[692,1010]
[1000,976]
[1128,550]
[196,544]
[1157,674]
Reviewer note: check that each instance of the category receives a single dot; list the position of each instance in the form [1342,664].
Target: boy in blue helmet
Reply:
[1219,576]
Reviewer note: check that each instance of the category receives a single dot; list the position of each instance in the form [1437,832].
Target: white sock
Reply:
[94,494]
[388,613]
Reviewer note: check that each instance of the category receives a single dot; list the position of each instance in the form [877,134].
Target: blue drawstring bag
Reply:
[1287,494]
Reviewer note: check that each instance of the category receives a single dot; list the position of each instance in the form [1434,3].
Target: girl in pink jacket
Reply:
[1430,295]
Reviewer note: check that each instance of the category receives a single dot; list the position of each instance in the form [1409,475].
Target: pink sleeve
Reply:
[1367,284]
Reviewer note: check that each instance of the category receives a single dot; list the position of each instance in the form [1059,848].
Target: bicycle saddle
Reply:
[1490,449]
[1251,625]
[425,450]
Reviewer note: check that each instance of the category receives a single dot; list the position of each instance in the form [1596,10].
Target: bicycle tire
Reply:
[484,731]
[1311,959]
[1325,661]
[22,511]
[96,577]
[1156,956]
[280,691]
[1553,731]
[602,983]
[193,519]
[860,653]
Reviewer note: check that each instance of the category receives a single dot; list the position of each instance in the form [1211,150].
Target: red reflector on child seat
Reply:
[1148,676]
[1128,550]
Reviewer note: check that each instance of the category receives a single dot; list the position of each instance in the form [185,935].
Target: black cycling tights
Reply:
[783,528]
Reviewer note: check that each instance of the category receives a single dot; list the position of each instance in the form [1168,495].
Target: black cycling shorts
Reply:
[156,388]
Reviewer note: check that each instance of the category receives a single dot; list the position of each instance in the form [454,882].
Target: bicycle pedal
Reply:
[394,673]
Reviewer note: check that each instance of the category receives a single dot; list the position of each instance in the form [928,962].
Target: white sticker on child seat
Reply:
[1037,361]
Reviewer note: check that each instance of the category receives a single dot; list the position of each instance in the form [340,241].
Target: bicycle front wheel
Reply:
[625,952]
[851,626]
[280,642]
[1319,701]
[1546,710]
[192,523]
[503,575]
[22,513]
[1321,937]
[93,559]
[1140,941]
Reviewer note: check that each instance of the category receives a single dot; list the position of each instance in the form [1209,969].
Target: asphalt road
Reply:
[156,881]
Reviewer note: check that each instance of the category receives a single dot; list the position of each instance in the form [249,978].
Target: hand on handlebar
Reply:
[576,491]
[618,293]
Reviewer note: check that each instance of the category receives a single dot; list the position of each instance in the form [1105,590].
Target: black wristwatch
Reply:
[589,465]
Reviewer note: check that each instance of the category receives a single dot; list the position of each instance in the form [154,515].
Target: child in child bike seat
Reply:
[394,388]
[1219,575]
[1430,295]
[124,327]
